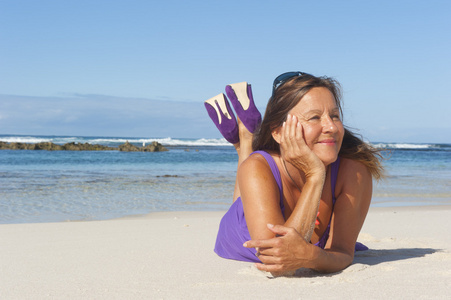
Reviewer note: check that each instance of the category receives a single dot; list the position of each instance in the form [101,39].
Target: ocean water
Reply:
[195,174]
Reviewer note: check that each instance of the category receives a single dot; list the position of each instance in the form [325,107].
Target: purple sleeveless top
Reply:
[233,230]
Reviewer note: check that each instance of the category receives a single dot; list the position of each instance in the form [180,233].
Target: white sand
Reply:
[170,256]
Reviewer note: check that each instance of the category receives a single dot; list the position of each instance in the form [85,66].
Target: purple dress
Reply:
[233,230]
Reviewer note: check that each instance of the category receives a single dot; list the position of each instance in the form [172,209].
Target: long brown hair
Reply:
[287,96]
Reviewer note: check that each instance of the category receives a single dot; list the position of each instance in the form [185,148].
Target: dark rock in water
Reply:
[24,146]
[153,147]
[85,147]
[49,146]
[128,147]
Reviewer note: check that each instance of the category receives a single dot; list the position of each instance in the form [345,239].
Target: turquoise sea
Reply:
[195,174]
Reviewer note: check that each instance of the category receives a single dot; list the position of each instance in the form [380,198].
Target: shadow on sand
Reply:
[374,257]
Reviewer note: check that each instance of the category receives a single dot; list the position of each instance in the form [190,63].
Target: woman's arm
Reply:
[354,189]
[261,200]
[289,251]
[295,151]
[260,194]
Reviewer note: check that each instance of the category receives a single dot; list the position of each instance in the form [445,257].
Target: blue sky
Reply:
[144,68]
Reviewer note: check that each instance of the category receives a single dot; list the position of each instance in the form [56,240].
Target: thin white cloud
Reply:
[103,115]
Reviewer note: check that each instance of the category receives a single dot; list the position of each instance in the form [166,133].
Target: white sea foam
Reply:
[24,139]
[403,146]
[168,141]
[193,142]
[164,141]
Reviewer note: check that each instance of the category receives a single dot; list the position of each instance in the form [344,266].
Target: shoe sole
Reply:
[240,90]
[218,101]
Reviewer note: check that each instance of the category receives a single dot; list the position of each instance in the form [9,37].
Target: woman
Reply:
[309,176]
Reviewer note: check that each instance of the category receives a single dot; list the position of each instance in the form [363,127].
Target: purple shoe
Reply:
[240,95]
[220,112]
[360,247]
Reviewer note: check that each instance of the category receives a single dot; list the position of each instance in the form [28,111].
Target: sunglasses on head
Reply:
[282,78]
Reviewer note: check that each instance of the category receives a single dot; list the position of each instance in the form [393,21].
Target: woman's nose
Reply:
[329,125]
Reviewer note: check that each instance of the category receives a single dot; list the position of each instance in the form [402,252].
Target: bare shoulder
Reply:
[255,163]
[255,177]
[353,175]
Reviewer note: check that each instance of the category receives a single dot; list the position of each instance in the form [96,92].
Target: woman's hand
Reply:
[288,251]
[294,149]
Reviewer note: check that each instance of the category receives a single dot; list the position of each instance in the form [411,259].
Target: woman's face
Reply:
[322,126]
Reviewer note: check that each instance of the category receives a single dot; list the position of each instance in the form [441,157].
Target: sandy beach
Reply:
[170,256]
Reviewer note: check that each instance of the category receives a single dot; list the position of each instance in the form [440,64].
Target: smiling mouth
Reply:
[328,142]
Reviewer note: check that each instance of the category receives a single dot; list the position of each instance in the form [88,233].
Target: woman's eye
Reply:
[314,118]
[335,117]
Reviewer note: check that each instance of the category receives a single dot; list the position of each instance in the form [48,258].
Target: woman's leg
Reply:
[244,149]
[233,129]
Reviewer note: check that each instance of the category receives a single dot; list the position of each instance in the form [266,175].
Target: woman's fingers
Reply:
[292,127]
[300,132]
[287,135]
[293,146]
[282,253]
[261,244]
[272,250]
[269,259]
[279,230]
